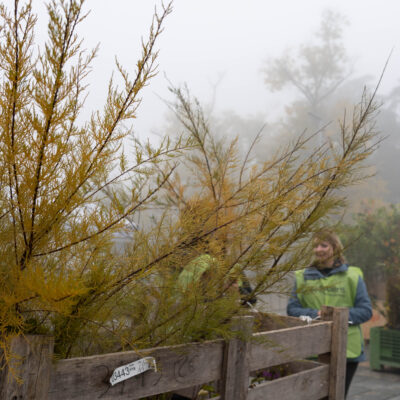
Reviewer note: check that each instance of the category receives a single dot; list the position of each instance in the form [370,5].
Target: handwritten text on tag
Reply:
[134,368]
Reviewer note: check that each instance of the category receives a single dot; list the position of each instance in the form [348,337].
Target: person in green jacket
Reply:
[201,269]
[205,271]
[330,281]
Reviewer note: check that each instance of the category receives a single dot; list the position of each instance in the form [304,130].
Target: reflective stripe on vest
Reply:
[337,290]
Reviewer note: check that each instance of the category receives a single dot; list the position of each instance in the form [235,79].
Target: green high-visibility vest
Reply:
[337,290]
[194,270]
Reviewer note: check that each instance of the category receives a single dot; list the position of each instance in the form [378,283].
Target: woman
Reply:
[330,281]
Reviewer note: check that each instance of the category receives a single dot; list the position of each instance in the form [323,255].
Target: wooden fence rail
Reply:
[181,367]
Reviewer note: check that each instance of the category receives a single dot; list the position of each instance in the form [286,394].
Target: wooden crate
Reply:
[384,347]
[185,366]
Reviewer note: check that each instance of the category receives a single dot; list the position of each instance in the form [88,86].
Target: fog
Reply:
[228,41]
[205,41]
[219,48]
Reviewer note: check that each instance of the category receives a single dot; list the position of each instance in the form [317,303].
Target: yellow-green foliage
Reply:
[56,226]
[251,218]
[67,189]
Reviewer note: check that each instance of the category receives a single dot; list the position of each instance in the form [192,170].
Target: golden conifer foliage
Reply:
[67,190]
[56,226]
[249,218]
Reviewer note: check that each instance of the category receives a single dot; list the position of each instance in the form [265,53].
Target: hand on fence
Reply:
[306,318]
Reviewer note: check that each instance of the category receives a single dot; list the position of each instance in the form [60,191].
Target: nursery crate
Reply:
[185,366]
[384,348]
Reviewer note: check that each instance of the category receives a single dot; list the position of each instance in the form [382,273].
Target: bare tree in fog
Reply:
[320,73]
[322,86]
[315,69]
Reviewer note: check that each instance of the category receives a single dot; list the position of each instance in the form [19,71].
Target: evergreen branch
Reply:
[72,18]
[254,141]
[145,69]
[111,224]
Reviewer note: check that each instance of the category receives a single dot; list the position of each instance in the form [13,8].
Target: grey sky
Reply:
[205,38]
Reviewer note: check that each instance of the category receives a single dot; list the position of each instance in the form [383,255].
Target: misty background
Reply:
[255,66]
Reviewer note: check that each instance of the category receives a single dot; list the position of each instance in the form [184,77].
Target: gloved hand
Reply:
[306,318]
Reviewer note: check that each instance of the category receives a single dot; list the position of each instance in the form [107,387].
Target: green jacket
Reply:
[194,270]
[197,268]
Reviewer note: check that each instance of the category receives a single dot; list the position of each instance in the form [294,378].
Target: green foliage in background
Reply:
[373,243]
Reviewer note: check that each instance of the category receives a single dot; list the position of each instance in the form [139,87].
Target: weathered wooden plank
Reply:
[311,384]
[179,367]
[302,365]
[31,362]
[271,322]
[326,315]
[229,365]
[194,364]
[235,375]
[285,345]
[190,393]
[337,374]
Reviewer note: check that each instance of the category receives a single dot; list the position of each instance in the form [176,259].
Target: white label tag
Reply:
[134,368]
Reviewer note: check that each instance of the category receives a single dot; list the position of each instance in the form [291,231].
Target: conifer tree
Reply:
[67,189]
[56,226]
[253,219]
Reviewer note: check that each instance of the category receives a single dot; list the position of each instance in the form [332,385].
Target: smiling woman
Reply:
[324,253]
[327,249]
[330,281]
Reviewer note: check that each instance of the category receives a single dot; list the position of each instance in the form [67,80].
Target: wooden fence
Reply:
[182,367]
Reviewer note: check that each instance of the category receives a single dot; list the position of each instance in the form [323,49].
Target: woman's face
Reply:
[323,253]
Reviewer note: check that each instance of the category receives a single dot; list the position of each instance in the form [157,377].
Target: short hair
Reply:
[328,235]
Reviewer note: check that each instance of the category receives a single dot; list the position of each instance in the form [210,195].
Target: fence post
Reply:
[31,362]
[235,373]
[337,357]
